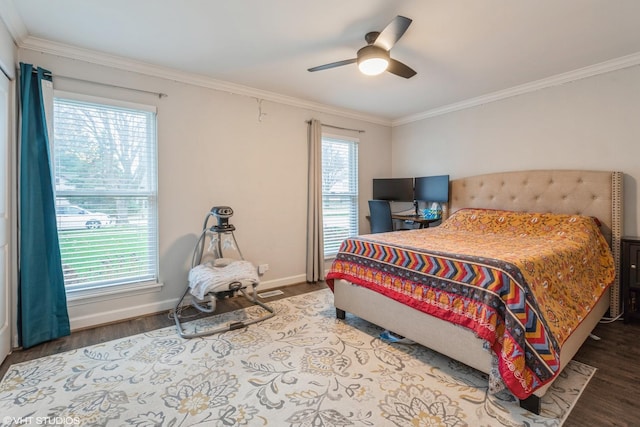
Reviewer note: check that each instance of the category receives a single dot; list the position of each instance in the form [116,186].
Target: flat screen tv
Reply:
[432,188]
[393,189]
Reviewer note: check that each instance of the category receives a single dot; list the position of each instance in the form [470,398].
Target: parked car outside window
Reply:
[71,217]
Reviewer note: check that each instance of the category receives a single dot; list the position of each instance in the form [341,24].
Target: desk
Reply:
[424,222]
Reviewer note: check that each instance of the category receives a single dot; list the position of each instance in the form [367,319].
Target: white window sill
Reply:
[104,293]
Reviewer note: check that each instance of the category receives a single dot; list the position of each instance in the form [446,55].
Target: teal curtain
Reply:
[42,303]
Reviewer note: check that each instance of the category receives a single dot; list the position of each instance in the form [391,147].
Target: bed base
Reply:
[532,403]
[437,334]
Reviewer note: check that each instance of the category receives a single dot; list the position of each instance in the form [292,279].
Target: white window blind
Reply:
[339,192]
[105,171]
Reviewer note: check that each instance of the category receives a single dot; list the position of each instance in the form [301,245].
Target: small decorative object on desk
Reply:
[435,212]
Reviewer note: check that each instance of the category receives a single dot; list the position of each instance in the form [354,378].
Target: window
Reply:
[339,191]
[104,157]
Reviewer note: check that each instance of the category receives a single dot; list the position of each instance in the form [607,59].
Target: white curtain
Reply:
[315,239]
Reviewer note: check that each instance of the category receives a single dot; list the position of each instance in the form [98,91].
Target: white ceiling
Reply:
[461,49]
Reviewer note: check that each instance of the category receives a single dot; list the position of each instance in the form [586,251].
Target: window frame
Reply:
[122,286]
[353,195]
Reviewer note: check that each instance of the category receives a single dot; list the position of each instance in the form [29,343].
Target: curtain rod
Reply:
[59,76]
[158,94]
[338,127]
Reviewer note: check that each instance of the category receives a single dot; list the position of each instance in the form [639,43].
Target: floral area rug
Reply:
[302,367]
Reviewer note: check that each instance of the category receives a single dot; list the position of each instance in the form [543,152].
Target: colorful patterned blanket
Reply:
[521,281]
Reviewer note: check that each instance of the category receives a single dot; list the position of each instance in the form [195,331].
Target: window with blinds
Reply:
[339,192]
[104,162]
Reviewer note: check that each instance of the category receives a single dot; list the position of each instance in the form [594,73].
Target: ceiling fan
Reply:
[374,58]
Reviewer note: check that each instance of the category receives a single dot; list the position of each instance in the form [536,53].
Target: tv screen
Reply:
[393,189]
[432,188]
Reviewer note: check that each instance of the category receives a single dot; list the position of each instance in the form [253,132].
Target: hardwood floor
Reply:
[610,399]
[612,396]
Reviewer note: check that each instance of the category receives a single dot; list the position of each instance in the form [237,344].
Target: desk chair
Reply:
[380,212]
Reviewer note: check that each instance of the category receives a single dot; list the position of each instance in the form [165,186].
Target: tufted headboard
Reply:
[592,193]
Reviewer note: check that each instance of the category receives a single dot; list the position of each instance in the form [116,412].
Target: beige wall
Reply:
[592,123]
[7,52]
[213,150]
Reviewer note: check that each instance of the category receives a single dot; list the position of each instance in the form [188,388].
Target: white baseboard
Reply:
[118,314]
[285,281]
[121,313]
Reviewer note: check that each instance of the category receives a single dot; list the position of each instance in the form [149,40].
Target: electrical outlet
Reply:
[263,268]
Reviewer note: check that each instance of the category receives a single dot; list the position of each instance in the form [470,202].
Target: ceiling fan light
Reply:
[373,66]
[372,60]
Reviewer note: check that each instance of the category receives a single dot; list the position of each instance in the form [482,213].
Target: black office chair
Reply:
[380,216]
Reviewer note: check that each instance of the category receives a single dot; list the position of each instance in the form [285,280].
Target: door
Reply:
[5,229]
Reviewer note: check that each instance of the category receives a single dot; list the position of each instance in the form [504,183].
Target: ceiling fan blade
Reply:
[392,32]
[399,69]
[333,65]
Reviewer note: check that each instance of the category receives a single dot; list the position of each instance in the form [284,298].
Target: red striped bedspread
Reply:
[521,281]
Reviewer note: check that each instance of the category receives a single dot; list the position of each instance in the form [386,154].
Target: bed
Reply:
[382,290]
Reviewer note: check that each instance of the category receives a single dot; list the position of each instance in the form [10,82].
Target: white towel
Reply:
[205,278]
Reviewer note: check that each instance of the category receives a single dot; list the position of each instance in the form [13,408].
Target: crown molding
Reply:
[118,62]
[559,79]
